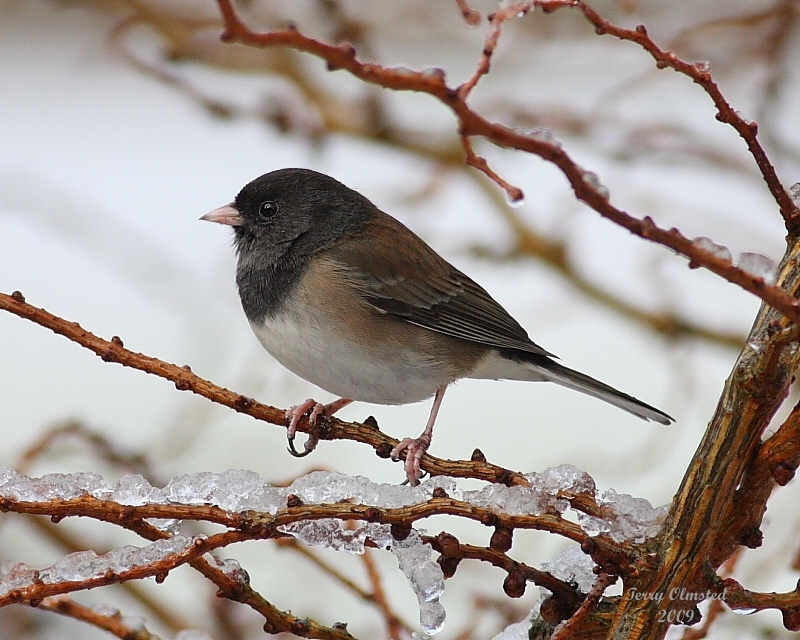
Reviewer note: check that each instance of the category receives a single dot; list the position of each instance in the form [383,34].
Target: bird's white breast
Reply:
[322,343]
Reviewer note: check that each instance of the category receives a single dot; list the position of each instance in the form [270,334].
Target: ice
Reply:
[234,490]
[18,576]
[593,180]
[515,197]
[541,495]
[426,578]
[328,533]
[434,72]
[635,519]
[172,526]
[321,487]
[758,265]
[564,478]
[53,486]
[794,191]
[545,135]
[743,116]
[573,565]
[105,609]
[133,490]
[431,617]
[414,559]
[707,244]
[229,566]
[86,565]
[704,66]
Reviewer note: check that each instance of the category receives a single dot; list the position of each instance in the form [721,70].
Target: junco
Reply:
[348,298]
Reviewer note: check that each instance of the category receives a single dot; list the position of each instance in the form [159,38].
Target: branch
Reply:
[698,73]
[364,118]
[737,597]
[112,623]
[754,391]
[185,380]
[583,183]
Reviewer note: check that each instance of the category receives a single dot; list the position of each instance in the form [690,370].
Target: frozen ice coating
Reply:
[545,135]
[573,565]
[536,498]
[331,534]
[413,557]
[85,565]
[594,180]
[707,244]
[635,519]
[133,490]
[236,490]
[426,578]
[53,486]
[759,265]
[319,487]
[431,617]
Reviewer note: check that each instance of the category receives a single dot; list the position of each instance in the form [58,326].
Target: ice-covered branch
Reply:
[313,509]
[86,570]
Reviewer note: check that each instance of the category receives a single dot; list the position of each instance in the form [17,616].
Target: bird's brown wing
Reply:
[397,273]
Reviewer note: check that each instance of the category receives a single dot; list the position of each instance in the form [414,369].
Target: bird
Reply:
[350,299]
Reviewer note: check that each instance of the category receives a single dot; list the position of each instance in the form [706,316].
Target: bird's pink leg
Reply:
[415,449]
[313,409]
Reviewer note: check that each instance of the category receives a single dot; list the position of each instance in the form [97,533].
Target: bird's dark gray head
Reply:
[294,213]
[280,221]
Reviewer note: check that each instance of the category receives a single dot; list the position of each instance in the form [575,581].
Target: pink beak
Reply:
[228,214]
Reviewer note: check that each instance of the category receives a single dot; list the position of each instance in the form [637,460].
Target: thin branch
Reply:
[698,73]
[394,625]
[185,380]
[583,183]
[738,598]
[111,623]
[568,628]
[392,620]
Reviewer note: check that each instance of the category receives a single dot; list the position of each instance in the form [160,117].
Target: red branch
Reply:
[583,183]
[185,380]
[747,129]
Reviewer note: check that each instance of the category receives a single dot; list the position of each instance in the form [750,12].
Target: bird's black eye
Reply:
[267,209]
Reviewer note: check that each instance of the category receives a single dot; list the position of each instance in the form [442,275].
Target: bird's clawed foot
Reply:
[313,410]
[415,449]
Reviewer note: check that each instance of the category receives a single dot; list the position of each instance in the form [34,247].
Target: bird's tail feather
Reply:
[578,381]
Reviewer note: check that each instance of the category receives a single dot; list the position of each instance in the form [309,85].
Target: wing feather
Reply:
[395,272]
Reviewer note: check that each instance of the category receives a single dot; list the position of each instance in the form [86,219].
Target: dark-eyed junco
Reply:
[348,298]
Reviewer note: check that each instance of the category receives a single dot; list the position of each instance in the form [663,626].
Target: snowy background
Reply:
[105,170]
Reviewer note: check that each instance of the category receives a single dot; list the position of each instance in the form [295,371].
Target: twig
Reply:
[394,625]
[185,380]
[111,623]
[568,628]
[583,183]
[294,545]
